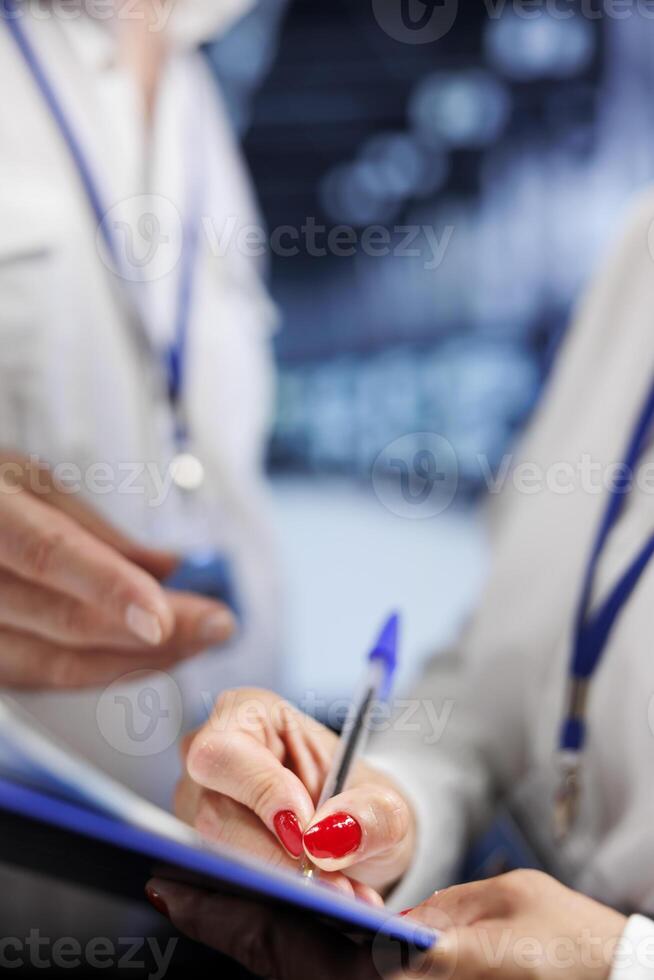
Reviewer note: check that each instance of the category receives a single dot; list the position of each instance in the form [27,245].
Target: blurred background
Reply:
[472,164]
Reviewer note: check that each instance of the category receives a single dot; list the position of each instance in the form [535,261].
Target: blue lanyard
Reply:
[174,357]
[592,631]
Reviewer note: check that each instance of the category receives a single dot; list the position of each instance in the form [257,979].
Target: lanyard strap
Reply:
[592,631]
[174,357]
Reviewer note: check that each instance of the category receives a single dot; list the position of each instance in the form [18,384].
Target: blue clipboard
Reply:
[37,813]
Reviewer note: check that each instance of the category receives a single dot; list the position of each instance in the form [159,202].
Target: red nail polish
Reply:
[334,837]
[287,827]
[156,901]
[406,912]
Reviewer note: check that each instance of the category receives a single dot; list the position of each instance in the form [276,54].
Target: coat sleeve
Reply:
[443,751]
[464,738]
[634,958]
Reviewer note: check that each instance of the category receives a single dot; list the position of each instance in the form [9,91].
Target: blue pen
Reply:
[376,686]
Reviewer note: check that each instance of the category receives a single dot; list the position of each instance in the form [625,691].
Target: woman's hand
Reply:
[81,604]
[521,926]
[268,941]
[518,926]
[254,775]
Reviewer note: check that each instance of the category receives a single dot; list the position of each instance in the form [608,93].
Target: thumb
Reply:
[470,951]
[365,822]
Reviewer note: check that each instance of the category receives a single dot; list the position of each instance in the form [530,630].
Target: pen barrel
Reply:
[356,729]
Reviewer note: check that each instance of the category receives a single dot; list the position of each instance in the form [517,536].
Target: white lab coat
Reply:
[78,386]
[505,682]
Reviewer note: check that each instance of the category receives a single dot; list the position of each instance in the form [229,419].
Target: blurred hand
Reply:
[80,604]
[267,941]
[521,926]
[518,926]
[255,772]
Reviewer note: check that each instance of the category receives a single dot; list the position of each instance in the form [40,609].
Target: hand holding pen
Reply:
[255,775]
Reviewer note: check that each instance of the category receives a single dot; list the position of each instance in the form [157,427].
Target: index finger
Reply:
[236,764]
[462,905]
[36,477]
[158,563]
[45,546]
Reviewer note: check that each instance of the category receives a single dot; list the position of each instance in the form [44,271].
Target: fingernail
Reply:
[334,837]
[217,626]
[144,625]
[156,901]
[287,828]
[406,912]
